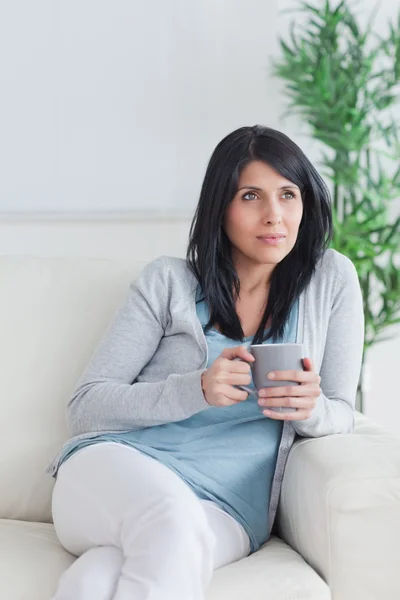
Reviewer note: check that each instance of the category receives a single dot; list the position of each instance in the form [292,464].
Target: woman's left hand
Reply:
[303,396]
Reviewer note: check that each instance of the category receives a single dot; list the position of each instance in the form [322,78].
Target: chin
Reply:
[265,260]
[272,258]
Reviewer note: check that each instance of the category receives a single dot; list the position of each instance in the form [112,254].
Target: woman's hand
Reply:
[303,396]
[217,382]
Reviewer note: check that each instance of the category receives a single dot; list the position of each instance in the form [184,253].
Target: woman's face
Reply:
[266,204]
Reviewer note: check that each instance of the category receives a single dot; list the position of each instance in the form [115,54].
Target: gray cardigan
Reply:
[147,369]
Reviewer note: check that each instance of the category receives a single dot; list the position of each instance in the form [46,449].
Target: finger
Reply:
[298,415]
[289,401]
[293,375]
[236,366]
[235,379]
[308,364]
[237,352]
[306,389]
[232,393]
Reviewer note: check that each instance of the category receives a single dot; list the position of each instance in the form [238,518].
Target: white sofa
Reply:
[339,516]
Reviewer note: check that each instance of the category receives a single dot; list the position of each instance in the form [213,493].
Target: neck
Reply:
[254,279]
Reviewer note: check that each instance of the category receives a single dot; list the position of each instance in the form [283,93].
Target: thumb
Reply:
[308,364]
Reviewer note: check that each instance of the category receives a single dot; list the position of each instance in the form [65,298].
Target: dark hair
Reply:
[209,249]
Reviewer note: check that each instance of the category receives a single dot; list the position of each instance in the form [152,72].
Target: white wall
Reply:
[117,106]
[141,237]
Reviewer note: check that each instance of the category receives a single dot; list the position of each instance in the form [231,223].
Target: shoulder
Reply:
[336,266]
[335,277]
[165,271]
[161,281]
[165,265]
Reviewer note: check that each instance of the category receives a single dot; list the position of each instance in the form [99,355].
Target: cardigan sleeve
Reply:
[341,363]
[107,397]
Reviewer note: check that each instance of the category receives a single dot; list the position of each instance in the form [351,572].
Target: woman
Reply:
[173,471]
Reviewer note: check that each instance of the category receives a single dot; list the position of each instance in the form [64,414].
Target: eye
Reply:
[249,194]
[288,195]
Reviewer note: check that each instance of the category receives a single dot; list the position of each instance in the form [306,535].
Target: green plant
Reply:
[343,80]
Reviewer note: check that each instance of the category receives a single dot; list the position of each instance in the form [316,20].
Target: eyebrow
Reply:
[283,187]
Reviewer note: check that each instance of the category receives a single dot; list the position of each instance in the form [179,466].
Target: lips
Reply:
[272,239]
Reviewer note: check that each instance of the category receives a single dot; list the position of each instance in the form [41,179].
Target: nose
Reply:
[272,213]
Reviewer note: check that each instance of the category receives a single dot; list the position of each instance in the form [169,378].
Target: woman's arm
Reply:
[106,399]
[340,369]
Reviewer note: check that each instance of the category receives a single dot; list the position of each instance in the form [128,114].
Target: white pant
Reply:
[139,530]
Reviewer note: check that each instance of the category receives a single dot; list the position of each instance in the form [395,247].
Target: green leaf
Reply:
[393,231]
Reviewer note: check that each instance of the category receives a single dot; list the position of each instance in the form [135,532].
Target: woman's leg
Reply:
[93,575]
[232,541]
[139,530]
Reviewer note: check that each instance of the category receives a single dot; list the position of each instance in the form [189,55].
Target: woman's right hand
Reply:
[217,382]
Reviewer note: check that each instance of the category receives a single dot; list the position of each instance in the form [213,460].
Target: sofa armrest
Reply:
[340,509]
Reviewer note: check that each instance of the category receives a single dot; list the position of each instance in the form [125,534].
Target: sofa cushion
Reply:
[32,560]
[53,313]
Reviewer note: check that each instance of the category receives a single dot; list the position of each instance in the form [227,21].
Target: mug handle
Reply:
[244,387]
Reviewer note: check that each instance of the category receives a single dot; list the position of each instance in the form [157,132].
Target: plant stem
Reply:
[361,387]
[336,197]
[360,398]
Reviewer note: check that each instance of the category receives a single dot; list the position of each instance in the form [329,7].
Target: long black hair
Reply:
[209,249]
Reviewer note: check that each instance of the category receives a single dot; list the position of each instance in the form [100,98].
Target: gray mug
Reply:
[273,357]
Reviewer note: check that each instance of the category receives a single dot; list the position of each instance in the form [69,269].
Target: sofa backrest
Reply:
[53,312]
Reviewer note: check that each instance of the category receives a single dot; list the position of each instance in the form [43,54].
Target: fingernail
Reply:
[271,375]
